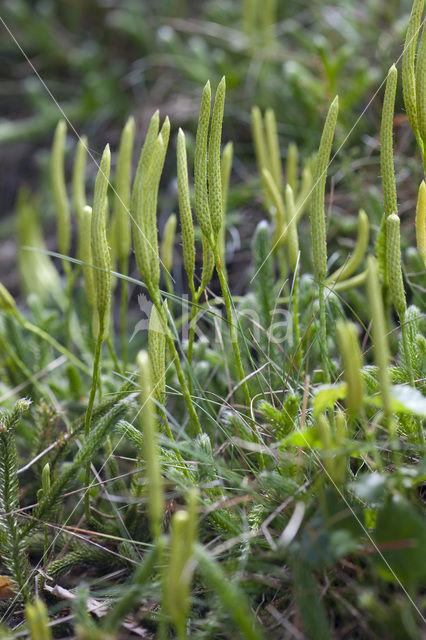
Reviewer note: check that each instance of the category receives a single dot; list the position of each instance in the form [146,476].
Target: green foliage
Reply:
[250,463]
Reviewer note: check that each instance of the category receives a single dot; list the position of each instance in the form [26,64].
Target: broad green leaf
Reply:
[308,437]
[327,395]
[405,400]
[400,536]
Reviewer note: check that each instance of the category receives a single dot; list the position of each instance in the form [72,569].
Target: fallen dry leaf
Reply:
[7,588]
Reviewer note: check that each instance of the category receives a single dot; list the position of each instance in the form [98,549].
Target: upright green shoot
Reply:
[387,166]
[150,453]
[121,221]
[380,342]
[102,284]
[408,69]
[318,221]
[396,284]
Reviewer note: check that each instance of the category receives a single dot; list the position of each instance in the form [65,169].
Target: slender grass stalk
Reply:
[45,491]
[352,364]
[89,409]
[229,594]
[102,281]
[150,453]
[131,597]
[157,356]
[177,578]
[296,323]
[292,242]
[380,342]
[194,421]
[318,223]
[124,270]
[232,326]
[206,275]
[263,266]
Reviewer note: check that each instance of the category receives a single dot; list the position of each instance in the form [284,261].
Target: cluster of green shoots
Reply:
[104,249]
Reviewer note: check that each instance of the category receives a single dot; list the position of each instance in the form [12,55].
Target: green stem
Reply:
[192,325]
[297,338]
[89,410]
[123,314]
[168,282]
[350,283]
[71,277]
[195,423]
[323,331]
[406,347]
[113,355]
[196,427]
[232,328]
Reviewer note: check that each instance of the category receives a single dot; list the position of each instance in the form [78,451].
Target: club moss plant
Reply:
[248,464]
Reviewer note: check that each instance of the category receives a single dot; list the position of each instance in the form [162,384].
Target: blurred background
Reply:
[103,60]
